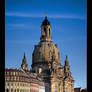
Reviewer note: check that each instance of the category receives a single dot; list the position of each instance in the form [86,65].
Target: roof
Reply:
[45,21]
[32,77]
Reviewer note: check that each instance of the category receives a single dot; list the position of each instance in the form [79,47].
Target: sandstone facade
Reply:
[46,62]
[47,74]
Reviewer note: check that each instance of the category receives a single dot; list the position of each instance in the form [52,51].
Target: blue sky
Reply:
[23,19]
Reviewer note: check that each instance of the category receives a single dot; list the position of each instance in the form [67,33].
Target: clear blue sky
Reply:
[23,19]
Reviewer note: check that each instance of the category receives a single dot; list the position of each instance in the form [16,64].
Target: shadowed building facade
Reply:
[46,62]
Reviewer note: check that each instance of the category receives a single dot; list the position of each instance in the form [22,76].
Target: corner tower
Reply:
[24,63]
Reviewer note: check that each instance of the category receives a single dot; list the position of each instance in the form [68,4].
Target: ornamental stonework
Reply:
[46,62]
[47,73]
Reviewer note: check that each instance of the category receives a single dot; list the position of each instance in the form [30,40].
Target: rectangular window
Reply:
[8,84]
[15,78]
[7,73]
[17,90]
[16,73]
[18,84]
[11,90]
[11,84]
[13,73]
[10,73]
[56,89]
[12,78]
[7,90]
[21,90]
[7,78]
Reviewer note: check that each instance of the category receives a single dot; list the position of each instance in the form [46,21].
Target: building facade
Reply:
[46,62]
[47,73]
[23,80]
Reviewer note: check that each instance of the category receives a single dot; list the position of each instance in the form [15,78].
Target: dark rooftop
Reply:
[45,21]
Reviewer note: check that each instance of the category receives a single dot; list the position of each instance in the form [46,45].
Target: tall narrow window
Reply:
[56,89]
[17,90]
[11,84]
[49,31]
[50,55]
[45,31]
[8,84]
[21,90]
[7,90]
[11,90]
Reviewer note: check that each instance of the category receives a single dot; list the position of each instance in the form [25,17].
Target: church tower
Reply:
[24,63]
[45,30]
[46,61]
[68,79]
[67,67]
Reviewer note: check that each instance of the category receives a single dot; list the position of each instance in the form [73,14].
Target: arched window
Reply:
[44,29]
[7,90]
[49,31]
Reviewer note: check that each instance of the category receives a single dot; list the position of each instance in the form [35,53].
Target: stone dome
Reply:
[45,51]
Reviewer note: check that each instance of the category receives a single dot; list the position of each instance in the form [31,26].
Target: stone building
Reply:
[23,80]
[46,62]
[47,73]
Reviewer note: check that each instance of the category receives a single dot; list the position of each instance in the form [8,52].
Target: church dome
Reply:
[45,52]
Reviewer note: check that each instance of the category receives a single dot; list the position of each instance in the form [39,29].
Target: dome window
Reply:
[40,70]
